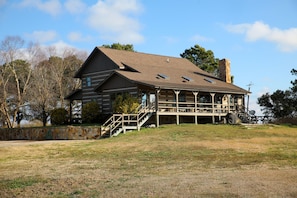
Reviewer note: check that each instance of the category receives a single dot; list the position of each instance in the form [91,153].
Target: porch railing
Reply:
[165,106]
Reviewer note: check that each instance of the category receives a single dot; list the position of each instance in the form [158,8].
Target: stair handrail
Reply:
[144,111]
[107,122]
[141,115]
[119,119]
[110,124]
[116,122]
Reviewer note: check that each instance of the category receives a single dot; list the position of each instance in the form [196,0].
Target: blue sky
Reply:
[259,37]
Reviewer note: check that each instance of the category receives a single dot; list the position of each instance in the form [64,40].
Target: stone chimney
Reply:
[224,70]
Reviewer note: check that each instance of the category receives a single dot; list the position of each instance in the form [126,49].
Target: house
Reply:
[170,89]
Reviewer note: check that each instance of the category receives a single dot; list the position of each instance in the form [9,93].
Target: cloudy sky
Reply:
[259,37]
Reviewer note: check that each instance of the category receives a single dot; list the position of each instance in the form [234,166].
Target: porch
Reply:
[195,104]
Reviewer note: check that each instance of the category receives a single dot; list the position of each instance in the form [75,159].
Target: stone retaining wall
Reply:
[51,133]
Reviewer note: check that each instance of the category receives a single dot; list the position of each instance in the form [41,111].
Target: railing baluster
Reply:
[123,120]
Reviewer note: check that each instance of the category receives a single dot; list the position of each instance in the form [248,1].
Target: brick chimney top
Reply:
[225,70]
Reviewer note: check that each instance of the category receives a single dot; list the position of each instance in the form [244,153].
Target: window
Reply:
[205,99]
[88,82]
[182,97]
[143,99]
[209,80]
[163,76]
[186,78]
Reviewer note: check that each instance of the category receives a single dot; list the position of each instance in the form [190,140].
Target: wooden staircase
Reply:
[120,123]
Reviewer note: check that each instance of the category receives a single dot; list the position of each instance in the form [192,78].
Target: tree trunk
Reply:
[44,116]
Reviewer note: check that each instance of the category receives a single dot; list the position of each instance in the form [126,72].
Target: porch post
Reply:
[229,97]
[242,103]
[157,91]
[195,98]
[177,110]
[212,103]
[148,104]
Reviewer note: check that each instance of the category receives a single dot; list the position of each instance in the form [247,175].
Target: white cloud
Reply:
[286,40]
[78,37]
[74,36]
[61,45]
[199,38]
[114,20]
[59,48]
[43,36]
[52,7]
[75,6]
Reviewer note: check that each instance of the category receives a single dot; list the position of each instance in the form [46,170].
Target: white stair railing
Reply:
[126,121]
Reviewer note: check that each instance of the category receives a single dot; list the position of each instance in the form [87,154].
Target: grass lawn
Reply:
[171,161]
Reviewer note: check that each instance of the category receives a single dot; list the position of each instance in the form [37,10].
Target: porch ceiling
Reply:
[74,95]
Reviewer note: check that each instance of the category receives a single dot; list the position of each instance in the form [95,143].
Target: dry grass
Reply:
[171,161]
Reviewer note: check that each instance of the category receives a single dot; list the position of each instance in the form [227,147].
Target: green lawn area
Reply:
[171,161]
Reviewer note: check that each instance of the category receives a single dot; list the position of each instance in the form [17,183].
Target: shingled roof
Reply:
[165,72]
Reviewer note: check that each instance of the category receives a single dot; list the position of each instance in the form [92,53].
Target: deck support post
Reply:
[177,110]
[157,91]
[123,124]
[229,100]
[138,125]
[212,103]
[195,110]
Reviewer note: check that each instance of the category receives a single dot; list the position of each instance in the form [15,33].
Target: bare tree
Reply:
[15,77]
[11,102]
[4,106]
[64,68]
[53,80]
[35,77]
[43,97]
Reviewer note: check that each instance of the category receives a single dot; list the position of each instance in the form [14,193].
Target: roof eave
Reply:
[73,95]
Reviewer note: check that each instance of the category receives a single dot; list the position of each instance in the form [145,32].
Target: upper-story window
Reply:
[88,81]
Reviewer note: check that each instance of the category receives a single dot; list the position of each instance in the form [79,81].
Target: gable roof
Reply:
[165,72]
[142,61]
[81,69]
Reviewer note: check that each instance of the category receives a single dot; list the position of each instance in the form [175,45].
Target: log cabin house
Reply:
[169,89]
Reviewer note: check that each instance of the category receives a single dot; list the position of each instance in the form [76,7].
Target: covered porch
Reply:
[75,106]
[192,106]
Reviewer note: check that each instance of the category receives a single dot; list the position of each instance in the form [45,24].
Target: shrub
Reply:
[125,104]
[59,116]
[286,120]
[90,112]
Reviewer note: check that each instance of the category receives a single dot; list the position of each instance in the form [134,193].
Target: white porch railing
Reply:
[165,106]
